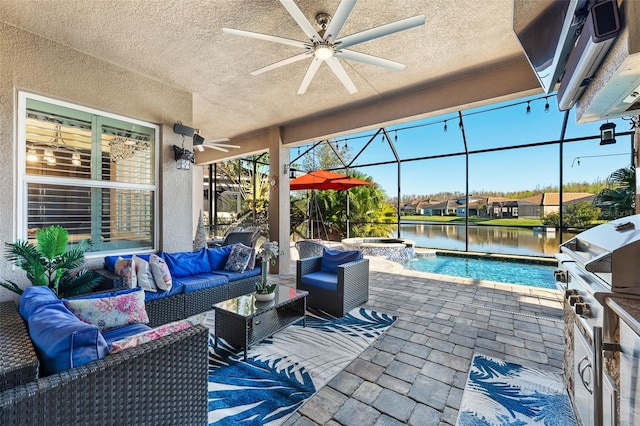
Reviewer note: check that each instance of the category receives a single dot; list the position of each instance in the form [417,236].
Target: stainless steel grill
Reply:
[596,264]
[611,252]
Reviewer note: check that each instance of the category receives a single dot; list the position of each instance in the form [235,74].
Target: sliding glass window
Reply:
[91,172]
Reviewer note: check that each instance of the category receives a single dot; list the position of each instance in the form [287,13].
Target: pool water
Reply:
[532,275]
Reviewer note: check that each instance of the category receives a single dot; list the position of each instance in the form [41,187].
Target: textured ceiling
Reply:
[182,43]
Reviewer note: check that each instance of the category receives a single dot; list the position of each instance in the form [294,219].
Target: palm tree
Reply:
[51,263]
[619,198]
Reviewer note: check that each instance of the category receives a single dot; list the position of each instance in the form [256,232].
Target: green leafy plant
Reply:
[264,288]
[52,263]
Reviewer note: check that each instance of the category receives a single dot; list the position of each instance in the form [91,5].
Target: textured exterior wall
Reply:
[33,64]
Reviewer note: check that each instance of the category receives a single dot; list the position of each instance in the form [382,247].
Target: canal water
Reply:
[489,239]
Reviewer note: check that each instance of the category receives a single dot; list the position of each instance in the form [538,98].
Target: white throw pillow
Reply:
[160,272]
[143,274]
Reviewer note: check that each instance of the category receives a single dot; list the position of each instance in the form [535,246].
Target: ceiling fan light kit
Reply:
[325,46]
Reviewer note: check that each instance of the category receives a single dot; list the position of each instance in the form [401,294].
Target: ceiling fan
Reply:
[214,143]
[325,46]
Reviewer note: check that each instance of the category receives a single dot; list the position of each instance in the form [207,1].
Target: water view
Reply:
[489,239]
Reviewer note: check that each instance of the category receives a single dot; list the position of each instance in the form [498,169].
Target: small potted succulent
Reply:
[268,253]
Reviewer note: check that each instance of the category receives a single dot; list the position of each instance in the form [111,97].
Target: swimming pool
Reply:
[533,275]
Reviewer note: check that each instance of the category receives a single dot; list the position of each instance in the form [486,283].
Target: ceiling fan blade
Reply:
[198,147]
[342,75]
[381,31]
[275,39]
[301,20]
[338,20]
[224,145]
[218,148]
[313,68]
[281,63]
[210,141]
[369,59]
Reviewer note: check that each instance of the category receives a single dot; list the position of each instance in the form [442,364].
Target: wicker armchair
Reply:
[352,286]
[160,382]
[308,248]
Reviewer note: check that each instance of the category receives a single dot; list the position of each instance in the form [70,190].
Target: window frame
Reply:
[22,179]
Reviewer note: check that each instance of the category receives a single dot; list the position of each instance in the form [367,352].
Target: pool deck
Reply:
[415,373]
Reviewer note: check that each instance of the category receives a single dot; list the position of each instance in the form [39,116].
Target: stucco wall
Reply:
[37,65]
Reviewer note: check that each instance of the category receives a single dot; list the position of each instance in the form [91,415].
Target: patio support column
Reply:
[279,204]
[636,154]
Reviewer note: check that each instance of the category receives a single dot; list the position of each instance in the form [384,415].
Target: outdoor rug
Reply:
[504,393]
[282,372]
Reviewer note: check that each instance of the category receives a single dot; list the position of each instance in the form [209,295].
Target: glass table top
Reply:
[247,305]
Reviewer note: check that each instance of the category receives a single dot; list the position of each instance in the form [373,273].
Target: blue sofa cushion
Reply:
[187,263]
[218,257]
[103,294]
[61,340]
[235,276]
[110,261]
[123,332]
[201,281]
[321,279]
[331,259]
[176,288]
[33,297]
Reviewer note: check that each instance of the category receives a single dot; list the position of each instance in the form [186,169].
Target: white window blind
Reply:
[93,173]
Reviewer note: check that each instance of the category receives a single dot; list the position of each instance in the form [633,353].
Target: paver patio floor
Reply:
[415,374]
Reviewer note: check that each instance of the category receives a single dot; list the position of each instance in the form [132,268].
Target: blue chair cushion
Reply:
[33,297]
[123,332]
[187,263]
[201,281]
[321,279]
[332,258]
[218,257]
[176,288]
[62,341]
[235,276]
[110,261]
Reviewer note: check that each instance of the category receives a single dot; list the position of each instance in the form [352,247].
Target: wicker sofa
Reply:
[160,382]
[184,300]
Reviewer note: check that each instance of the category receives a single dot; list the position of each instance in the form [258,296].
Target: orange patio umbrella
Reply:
[322,179]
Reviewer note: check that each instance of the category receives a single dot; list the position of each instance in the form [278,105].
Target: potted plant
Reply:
[268,253]
[52,263]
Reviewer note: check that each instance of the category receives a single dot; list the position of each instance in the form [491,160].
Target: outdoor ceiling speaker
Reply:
[598,35]
[183,130]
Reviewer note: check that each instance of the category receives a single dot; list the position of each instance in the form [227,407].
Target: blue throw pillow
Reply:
[33,297]
[332,258]
[187,263]
[238,258]
[218,257]
[62,341]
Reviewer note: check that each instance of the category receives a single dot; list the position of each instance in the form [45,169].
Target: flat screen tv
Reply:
[547,31]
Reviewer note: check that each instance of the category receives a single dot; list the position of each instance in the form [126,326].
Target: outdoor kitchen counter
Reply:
[628,310]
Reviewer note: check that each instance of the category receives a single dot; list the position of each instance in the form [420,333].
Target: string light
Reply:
[445,126]
[546,105]
[528,107]
[460,124]
[396,136]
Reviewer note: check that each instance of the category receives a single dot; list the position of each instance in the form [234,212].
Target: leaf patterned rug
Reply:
[282,372]
[504,393]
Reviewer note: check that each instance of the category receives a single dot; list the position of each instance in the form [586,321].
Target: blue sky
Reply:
[492,126]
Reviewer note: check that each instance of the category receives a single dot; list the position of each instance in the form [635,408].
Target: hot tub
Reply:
[395,249]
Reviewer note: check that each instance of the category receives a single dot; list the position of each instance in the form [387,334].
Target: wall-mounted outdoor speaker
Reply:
[183,130]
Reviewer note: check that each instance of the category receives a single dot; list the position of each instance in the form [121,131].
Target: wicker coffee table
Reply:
[243,321]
